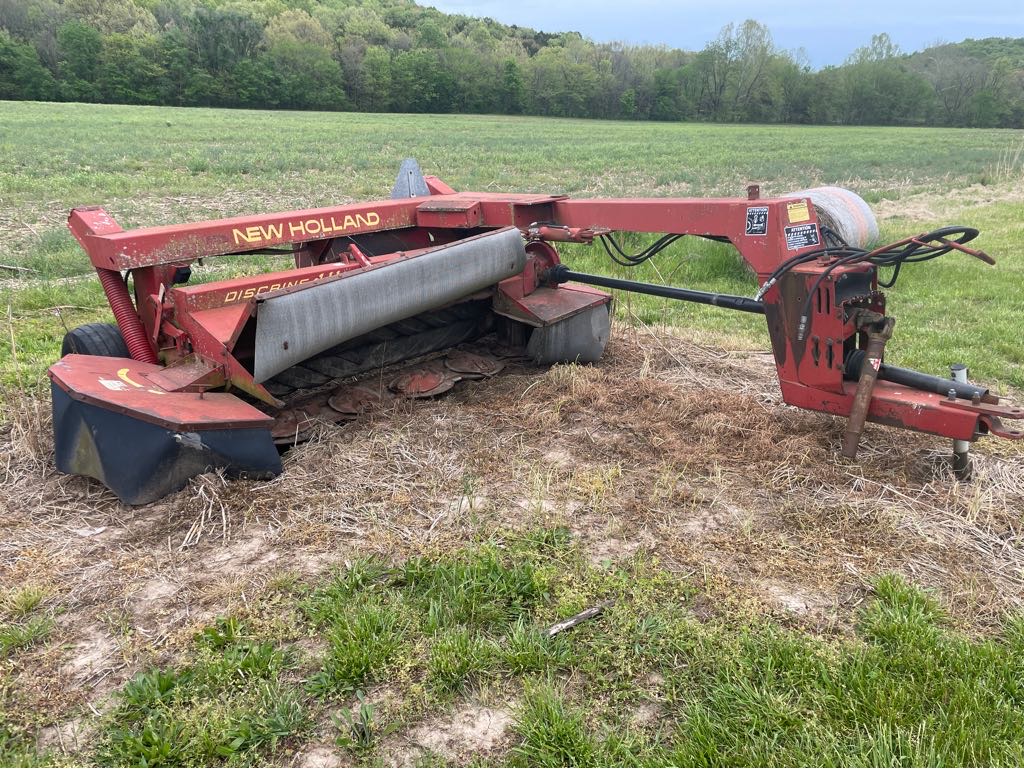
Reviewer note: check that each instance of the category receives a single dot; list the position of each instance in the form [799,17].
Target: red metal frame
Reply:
[193,330]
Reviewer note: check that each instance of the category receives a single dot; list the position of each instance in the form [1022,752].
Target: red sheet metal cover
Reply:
[121,385]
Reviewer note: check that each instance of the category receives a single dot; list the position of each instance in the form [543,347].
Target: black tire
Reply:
[95,339]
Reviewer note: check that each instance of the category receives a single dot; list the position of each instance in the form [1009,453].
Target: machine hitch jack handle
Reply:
[879,330]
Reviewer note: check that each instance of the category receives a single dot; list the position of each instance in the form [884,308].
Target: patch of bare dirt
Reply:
[318,757]
[95,652]
[69,737]
[458,738]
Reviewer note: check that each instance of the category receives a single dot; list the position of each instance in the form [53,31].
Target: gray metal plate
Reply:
[579,339]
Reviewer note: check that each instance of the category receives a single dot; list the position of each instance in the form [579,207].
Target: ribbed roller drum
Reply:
[844,212]
[297,324]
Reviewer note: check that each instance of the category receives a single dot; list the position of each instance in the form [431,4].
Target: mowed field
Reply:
[387,599]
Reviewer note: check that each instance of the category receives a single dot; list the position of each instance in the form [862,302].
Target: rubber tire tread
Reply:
[95,339]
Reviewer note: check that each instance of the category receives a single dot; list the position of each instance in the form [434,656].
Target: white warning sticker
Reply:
[114,384]
[801,236]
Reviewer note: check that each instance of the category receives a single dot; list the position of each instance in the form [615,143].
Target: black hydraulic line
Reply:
[561,274]
[903,376]
[914,379]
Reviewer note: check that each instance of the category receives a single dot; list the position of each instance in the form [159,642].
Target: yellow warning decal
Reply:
[798,212]
[122,374]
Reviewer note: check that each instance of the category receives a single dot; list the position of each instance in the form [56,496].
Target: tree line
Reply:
[393,55]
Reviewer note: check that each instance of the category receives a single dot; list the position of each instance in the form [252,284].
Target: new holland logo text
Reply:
[305,228]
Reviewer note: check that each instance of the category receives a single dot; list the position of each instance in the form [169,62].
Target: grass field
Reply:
[386,600]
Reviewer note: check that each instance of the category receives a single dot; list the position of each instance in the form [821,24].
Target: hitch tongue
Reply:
[879,330]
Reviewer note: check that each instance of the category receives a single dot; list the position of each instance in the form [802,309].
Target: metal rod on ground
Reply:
[961,449]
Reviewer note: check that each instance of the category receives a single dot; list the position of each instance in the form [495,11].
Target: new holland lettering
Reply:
[305,228]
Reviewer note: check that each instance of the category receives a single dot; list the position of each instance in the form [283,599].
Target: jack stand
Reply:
[962,465]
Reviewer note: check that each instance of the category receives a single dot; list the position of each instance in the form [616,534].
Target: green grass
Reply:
[647,683]
[151,165]
[23,600]
[22,635]
[100,152]
[24,629]
[228,706]
[22,623]
[905,692]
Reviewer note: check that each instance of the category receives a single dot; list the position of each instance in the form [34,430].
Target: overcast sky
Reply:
[827,30]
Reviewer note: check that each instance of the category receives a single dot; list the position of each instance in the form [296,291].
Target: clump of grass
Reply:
[363,639]
[25,630]
[22,601]
[481,591]
[228,707]
[24,634]
[1008,167]
[552,732]
[528,649]
[457,654]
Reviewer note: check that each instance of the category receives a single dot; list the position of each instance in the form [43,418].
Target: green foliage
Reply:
[364,638]
[228,706]
[128,71]
[304,77]
[80,48]
[355,728]
[22,601]
[22,75]
[528,650]
[17,751]
[396,55]
[457,654]
[483,591]
[22,635]
[552,733]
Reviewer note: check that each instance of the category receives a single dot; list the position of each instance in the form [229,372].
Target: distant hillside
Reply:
[993,49]
[394,55]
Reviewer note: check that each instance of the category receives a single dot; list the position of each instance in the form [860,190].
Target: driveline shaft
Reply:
[561,274]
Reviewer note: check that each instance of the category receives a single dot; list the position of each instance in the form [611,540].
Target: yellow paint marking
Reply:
[122,374]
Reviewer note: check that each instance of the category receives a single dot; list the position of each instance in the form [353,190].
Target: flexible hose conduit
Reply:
[127,318]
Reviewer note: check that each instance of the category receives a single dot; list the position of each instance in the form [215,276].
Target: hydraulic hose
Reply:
[127,318]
